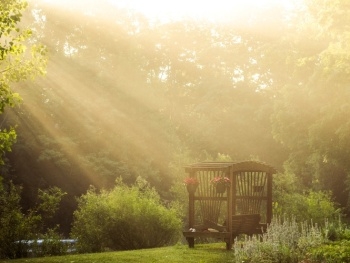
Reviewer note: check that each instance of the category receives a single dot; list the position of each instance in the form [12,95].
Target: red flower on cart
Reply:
[220,180]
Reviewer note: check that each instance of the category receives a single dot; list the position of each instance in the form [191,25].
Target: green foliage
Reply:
[7,138]
[16,225]
[50,245]
[20,59]
[337,230]
[316,206]
[334,252]
[49,200]
[311,114]
[124,218]
[291,200]
[16,62]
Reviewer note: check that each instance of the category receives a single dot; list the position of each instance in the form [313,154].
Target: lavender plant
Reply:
[285,241]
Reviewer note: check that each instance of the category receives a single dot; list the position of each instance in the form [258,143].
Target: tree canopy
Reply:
[18,62]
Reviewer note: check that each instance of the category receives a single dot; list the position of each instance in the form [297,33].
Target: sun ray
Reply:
[110,113]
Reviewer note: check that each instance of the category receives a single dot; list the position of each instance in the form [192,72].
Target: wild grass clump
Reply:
[285,241]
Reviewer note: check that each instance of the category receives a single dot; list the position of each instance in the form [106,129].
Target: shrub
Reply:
[17,226]
[124,218]
[51,244]
[305,206]
[334,252]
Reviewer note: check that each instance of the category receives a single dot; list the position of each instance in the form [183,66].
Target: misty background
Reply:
[138,97]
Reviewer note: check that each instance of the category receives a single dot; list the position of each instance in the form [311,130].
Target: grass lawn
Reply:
[202,253]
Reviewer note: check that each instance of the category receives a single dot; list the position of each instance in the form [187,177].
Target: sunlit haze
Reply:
[141,88]
[88,32]
[219,10]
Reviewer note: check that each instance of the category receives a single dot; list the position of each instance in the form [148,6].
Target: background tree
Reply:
[21,58]
[311,115]
[16,63]
[136,103]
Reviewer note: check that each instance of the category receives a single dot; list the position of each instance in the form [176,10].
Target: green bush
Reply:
[16,226]
[124,218]
[317,206]
[334,252]
[50,244]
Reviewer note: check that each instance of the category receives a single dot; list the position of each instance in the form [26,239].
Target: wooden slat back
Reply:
[251,190]
[211,207]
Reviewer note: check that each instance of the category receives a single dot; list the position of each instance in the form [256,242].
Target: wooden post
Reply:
[230,202]
[190,240]
[269,199]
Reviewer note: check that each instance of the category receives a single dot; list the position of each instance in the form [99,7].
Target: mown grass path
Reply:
[204,253]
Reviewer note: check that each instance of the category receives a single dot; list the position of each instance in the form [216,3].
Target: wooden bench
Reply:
[246,224]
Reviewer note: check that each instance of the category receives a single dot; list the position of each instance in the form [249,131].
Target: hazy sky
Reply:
[169,10]
[211,8]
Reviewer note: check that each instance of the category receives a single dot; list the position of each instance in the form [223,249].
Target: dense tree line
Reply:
[126,97]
